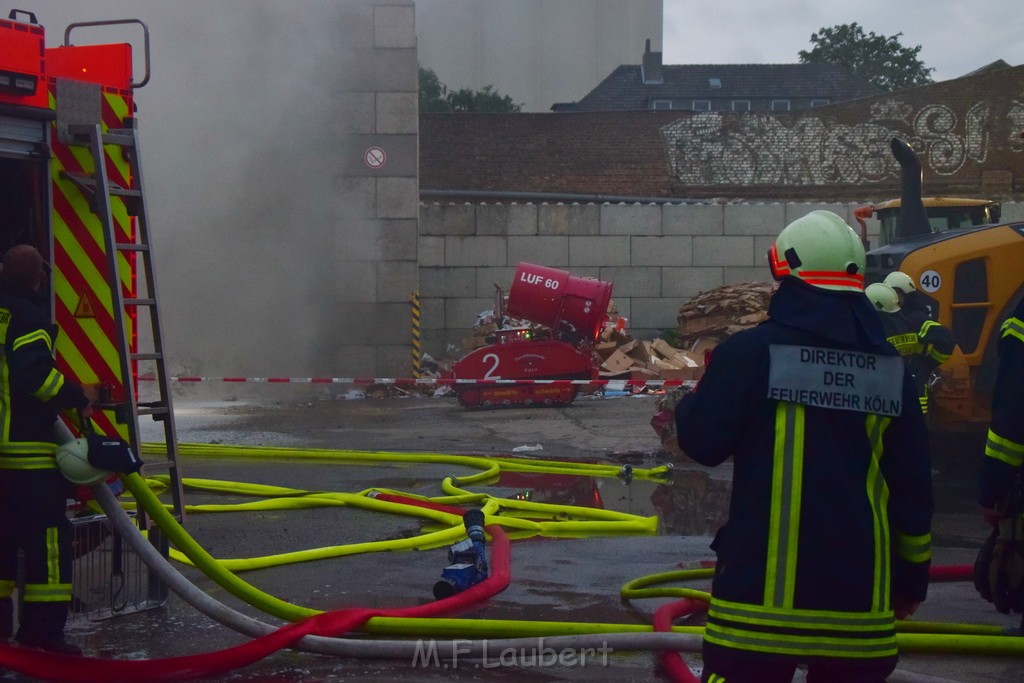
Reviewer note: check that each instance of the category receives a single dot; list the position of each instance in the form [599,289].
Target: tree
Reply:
[879,59]
[436,97]
[432,93]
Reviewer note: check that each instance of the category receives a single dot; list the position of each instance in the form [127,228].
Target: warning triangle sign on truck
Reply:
[85,308]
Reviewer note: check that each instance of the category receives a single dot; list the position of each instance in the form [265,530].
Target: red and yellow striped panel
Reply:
[87,348]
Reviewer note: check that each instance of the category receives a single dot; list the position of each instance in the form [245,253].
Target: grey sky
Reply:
[955,36]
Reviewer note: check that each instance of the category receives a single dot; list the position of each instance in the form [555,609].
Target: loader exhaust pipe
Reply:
[913,219]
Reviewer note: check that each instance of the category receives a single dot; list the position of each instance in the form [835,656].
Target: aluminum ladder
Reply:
[99,188]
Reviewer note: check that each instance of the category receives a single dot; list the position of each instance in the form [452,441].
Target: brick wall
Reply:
[968,132]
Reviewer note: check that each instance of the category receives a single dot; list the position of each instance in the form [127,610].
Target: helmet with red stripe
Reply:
[822,250]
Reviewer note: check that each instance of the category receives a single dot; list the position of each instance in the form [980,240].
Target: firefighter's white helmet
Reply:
[900,281]
[883,297]
[822,250]
[73,462]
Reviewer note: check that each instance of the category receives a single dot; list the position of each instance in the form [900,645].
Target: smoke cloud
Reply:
[240,134]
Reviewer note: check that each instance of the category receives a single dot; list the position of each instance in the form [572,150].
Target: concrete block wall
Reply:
[658,256]
[376,252]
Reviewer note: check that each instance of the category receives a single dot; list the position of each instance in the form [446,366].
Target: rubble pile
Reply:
[487,324]
[720,313]
[704,322]
[622,357]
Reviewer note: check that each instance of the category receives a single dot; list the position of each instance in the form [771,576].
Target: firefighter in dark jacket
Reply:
[33,493]
[925,344]
[914,305]
[828,538]
[999,571]
[1004,450]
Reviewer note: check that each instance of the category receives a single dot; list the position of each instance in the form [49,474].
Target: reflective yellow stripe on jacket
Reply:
[929,349]
[35,335]
[999,447]
[914,548]
[1013,327]
[53,590]
[55,380]
[776,626]
[878,497]
[825,633]
[24,455]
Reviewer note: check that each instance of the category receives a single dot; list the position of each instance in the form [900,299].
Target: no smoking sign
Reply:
[375,157]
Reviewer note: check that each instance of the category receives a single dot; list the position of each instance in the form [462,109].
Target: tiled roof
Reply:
[992,66]
[624,88]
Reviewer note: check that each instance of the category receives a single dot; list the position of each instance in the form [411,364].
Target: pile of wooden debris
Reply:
[704,321]
[720,313]
[621,356]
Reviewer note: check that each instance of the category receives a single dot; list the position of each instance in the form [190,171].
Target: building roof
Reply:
[625,87]
[992,66]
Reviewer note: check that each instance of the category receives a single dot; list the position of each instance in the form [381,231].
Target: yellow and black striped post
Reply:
[416,350]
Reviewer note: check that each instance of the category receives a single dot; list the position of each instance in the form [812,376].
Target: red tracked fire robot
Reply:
[571,309]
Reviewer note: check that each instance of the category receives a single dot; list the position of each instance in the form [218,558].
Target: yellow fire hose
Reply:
[912,636]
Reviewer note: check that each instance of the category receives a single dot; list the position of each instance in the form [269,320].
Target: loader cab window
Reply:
[941,219]
[957,218]
[971,301]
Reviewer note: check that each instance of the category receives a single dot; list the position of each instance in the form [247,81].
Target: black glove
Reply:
[982,565]
[999,569]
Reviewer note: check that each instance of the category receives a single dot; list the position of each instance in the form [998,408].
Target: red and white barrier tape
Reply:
[432,381]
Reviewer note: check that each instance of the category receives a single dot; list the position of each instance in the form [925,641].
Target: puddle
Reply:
[692,503]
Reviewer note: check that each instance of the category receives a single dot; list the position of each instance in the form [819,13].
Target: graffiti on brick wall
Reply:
[711,149]
[1016,120]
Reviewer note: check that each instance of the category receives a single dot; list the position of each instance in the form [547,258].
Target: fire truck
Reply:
[71,185]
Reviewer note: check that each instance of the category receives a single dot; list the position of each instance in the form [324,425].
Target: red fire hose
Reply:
[669,612]
[663,618]
[75,669]
[963,572]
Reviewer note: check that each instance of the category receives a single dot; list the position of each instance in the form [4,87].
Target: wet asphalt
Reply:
[553,579]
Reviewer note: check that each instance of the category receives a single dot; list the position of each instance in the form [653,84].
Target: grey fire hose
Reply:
[447,650]
[396,649]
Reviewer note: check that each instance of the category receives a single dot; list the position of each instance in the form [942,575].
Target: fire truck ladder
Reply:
[99,188]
